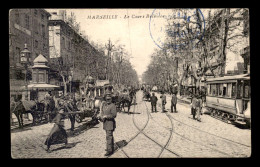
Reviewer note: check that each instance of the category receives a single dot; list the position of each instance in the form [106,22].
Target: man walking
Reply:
[174,103]
[163,97]
[108,115]
[154,102]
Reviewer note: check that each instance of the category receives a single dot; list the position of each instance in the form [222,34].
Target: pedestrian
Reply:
[107,116]
[163,97]
[58,134]
[174,103]
[153,102]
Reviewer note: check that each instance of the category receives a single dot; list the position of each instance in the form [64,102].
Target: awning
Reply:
[41,86]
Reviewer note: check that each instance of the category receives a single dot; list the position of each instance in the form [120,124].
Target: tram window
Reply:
[233,92]
[213,89]
[224,89]
[217,89]
[209,93]
[229,90]
[239,90]
[247,91]
[246,95]
[220,89]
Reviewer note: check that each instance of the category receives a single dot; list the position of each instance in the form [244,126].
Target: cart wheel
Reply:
[78,118]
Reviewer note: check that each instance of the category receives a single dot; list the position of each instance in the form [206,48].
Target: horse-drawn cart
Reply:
[91,102]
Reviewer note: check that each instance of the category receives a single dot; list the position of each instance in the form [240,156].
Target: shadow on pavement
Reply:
[120,144]
[125,112]
[80,129]
[69,145]
[17,129]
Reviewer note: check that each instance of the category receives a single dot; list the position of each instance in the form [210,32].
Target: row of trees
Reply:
[109,62]
[196,46]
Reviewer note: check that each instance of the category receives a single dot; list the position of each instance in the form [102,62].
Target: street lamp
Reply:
[25,55]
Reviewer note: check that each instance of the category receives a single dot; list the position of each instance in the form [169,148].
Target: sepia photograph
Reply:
[129,83]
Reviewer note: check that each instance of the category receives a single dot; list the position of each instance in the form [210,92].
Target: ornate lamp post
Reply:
[25,56]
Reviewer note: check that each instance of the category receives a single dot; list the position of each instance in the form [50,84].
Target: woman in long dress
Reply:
[58,134]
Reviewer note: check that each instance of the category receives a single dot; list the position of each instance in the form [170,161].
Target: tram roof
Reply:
[233,77]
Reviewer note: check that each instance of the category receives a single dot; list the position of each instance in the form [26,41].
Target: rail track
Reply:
[223,138]
[170,136]
[186,138]
[141,131]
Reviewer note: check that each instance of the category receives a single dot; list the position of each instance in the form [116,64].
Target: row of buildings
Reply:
[52,40]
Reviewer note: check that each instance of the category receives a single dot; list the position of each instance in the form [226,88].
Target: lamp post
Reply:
[25,55]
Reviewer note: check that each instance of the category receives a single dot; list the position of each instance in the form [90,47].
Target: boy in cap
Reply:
[163,97]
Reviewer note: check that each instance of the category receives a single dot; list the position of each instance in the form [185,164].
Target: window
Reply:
[209,93]
[34,77]
[220,89]
[42,17]
[229,90]
[43,30]
[213,89]
[41,77]
[35,12]
[35,26]
[36,44]
[224,89]
[239,89]
[27,21]
[17,52]
[233,92]
[217,90]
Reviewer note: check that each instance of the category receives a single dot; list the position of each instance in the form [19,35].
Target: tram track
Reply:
[132,138]
[170,129]
[233,142]
[141,131]
[223,138]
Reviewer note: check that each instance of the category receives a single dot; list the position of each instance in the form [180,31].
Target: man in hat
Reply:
[163,97]
[153,102]
[174,103]
[107,116]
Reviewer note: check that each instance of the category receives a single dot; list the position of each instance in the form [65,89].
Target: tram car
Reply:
[91,104]
[229,98]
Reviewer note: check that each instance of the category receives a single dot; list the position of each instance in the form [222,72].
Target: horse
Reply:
[49,109]
[124,99]
[22,107]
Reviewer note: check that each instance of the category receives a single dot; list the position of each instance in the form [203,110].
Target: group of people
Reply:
[154,100]
[107,116]
[196,104]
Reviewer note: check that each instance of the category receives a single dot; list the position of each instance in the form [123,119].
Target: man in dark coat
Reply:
[154,102]
[58,134]
[174,103]
[107,116]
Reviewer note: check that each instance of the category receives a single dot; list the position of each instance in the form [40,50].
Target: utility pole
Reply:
[108,63]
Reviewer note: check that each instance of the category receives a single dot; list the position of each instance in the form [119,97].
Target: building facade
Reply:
[26,26]
[72,50]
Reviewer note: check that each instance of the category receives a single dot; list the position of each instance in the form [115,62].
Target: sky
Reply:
[132,32]
[141,36]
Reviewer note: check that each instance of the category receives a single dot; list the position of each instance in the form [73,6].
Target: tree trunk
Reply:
[65,85]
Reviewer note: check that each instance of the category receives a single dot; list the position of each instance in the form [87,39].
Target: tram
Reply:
[229,98]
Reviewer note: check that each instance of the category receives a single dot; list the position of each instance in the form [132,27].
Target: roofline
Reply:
[233,77]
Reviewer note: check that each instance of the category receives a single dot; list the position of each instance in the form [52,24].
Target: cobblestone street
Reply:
[148,135]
